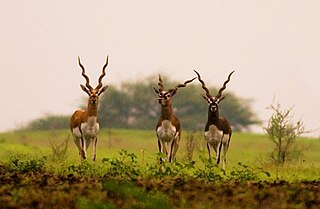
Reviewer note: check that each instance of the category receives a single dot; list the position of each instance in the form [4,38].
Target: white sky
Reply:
[273,45]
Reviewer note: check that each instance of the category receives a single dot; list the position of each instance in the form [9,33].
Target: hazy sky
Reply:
[273,45]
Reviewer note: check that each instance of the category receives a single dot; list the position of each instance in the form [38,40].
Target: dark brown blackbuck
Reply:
[217,131]
[84,124]
[168,128]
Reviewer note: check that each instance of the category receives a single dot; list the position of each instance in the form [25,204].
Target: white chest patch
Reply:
[91,128]
[166,131]
[214,135]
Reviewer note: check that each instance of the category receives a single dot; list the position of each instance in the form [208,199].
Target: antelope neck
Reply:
[166,112]
[213,118]
[92,110]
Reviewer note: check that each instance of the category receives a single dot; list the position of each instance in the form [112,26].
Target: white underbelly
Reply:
[166,132]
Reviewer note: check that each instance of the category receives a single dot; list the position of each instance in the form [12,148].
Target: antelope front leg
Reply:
[224,153]
[219,146]
[94,148]
[209,147]
[176,146]
[84,148]
[162,149]
[224,156]
[171,150]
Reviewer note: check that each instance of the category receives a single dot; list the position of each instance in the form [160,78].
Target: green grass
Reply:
[248,149]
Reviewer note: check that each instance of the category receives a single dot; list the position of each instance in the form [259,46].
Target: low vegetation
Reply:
[42,169]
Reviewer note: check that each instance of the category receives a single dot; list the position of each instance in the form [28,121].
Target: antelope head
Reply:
[165,95]
[213,101]
[94,93]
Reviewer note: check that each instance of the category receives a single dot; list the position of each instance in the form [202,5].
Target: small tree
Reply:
[283,131]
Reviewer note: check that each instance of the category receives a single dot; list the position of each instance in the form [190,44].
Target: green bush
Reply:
[166,169]
[85,168]
[125,167]
[211,171]
[244,173]
[23,163]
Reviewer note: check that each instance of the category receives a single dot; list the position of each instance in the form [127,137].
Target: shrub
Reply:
[283,131]
[166,169]
[23,163]
[125,167]
[211,171]
[244,173]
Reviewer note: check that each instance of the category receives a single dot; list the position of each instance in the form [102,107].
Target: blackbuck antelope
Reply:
[168,127]
[218,130]
[84,124]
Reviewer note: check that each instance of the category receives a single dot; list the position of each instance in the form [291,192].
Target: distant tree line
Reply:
[49,122]
[134,105]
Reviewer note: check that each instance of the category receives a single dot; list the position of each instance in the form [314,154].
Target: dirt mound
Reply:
[46,190]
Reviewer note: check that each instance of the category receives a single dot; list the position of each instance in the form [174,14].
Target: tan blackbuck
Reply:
[217,130]
[168,127]
[84,124]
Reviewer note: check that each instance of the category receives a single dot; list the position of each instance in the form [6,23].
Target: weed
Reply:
[124,167]
[244,173]
[166,169]
[191,144]
[211,171]
[59,151]
[24,164]
[86,168]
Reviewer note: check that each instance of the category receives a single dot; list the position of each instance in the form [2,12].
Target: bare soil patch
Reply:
[46,190]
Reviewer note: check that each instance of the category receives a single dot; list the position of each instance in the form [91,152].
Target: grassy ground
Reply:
[245,148]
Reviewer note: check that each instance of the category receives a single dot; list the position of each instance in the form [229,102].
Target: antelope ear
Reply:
[221,98]
[85,89]
[208,99]
[103,89]
[173,91]
[205,97]
[156,90]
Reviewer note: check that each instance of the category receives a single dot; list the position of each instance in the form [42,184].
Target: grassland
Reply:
[74,184]
[246,148]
